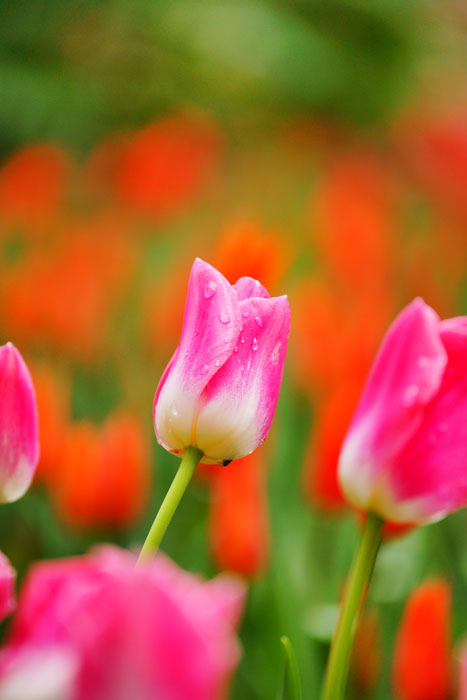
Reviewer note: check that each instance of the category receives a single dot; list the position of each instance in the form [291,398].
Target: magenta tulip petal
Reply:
[247,287]
[7,587]
[125,632]
[220,389]
[240,400]
[404,454]
[19,446]
[433,466]
[211,327]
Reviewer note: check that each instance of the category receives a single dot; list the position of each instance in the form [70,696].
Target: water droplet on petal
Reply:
[205,369]
[174,411]
[217,363]
[410,395]
[259,321]
[245,314]
[254,345]
[210,289]
[224,317]
[242,339]
[236,348]
[226,340]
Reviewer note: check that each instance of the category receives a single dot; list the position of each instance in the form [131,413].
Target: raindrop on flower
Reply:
[224,317]
[210,289]
[254,345]
[259,321]
[245,314]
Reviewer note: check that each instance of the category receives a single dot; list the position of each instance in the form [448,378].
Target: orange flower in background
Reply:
[332,420]
[32,186]
[434,147]
[246,248]
[367,657]
[314,334]
[422,668]
[165,164]
[238,519]
[104,480]
[65,296]
[53,408]
[352,219]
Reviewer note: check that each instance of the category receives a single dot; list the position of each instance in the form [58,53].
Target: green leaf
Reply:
[291,688]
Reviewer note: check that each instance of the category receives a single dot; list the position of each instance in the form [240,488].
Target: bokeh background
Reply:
[319,146]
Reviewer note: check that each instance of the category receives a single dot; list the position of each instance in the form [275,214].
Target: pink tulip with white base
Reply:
[405,454]
[218,394]
[220,389]
[19,446]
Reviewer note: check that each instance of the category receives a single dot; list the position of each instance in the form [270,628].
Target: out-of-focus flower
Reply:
[434,147]
[352,218]
[112,630]
[367,657]
[104,474]
[238,522]
[53,408]
[165,164]
[19,444]
[32,186]
[66,296]
[404,454]
[333,419]
[422,667]
[7,587]
[246,248]
[220,389]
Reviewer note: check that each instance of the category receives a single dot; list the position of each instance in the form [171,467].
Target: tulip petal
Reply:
[432,467]
[19,446]
[211,327]
[407,373]
[247,287]
[241,398]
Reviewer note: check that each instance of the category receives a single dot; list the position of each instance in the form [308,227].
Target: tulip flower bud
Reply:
[19,446]
[220,389]
[7,587]
[404,454]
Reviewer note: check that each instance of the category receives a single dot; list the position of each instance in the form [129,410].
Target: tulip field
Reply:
[233,350]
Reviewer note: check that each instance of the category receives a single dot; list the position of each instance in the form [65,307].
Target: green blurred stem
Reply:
[358,581]
[169,505]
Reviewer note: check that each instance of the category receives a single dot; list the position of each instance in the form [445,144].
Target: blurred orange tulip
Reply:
[246,249]
[32,186]
[165,164]
[238,519]
[104,479]
[422,667]
[53,408]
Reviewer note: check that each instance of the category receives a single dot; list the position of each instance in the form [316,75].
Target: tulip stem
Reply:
[182,478]
[357,585]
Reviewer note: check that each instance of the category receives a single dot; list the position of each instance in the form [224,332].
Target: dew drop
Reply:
[174,411]
[259,321]
[224,317]
[210,289]
[254,345]
[205,369]
[226,340]
[217,363]
[236,348]
[245,314]
[242,339]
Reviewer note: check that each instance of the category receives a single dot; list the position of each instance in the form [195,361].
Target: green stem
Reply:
[185,471]
[359,578]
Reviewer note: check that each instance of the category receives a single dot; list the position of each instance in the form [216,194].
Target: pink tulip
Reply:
[220,389]
[97,628]
[19,446]
[404,456]
[7,587]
